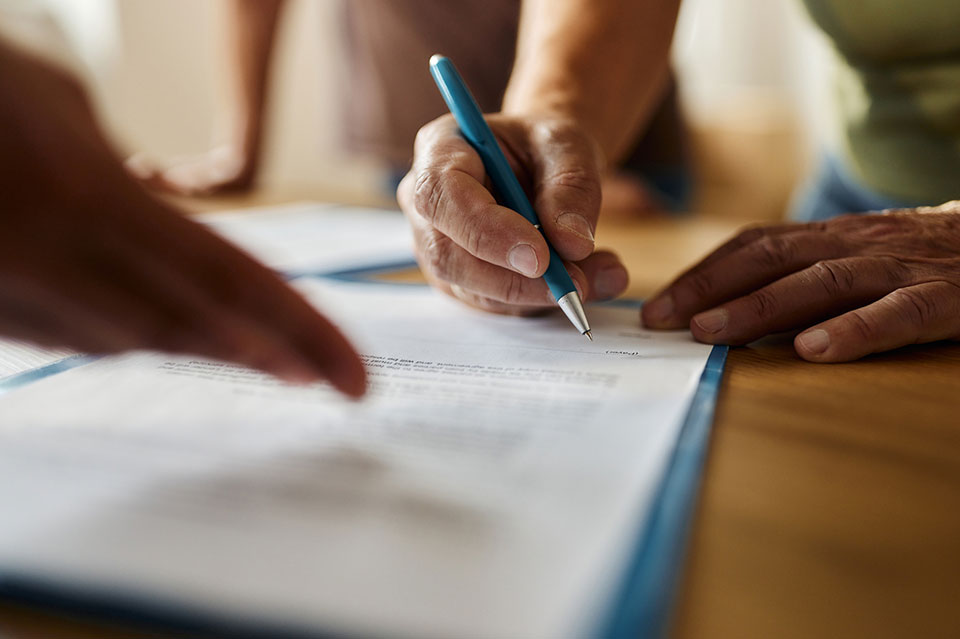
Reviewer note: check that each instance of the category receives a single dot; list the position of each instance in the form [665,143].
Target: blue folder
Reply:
[647,588]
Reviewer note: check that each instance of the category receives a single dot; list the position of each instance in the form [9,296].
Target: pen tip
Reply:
[589,336]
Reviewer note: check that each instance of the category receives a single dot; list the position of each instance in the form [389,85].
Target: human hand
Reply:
[89,261]
[228,168]
[857,284]
[488,255]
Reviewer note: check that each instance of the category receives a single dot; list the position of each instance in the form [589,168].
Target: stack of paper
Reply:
[17,357]
[314,238]
[492,484]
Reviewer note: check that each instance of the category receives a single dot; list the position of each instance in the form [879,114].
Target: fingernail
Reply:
[712,321]
[577,224]
[816,341]
[610,282]
[661,308]
[523,258]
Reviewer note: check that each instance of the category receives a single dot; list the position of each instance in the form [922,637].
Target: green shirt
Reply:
[898,92]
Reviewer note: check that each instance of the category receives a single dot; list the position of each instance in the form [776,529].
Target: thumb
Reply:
[567,187]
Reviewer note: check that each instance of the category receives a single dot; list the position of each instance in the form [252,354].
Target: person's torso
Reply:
[898,92]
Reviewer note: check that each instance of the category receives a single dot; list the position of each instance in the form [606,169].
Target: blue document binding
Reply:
[645,602]
[641,607]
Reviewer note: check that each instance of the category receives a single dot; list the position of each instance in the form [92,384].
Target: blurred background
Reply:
[752,76]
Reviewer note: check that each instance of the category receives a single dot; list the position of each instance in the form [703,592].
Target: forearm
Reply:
[251,32]
[603,63]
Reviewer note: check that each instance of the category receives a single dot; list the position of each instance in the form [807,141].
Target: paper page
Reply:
[18,357]
[311,237]
[491,485]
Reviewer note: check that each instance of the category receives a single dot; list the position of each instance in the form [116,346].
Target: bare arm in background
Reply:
[587,77]
[232,165]
[603,65]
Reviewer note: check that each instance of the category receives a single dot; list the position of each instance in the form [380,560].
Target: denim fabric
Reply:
[833,190]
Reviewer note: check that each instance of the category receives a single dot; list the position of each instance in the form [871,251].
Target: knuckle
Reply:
[428,192]
[863,328]
[763,304]
[428,132]
[578,179]
[773,252]
[561,128]
[437,256]
[423,136]
[835,276]
[473,239]
[913,307]
[512,293]
[554,131]
[870,228]
[567,138]
[896,268]
[459,293]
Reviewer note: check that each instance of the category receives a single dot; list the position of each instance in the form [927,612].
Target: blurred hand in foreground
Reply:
[857,285]
[91,262]
[487,255]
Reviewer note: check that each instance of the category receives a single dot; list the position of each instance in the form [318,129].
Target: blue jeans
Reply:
[833,190]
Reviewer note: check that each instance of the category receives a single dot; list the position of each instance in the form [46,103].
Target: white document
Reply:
[19,357]
[312,237]
[492,484]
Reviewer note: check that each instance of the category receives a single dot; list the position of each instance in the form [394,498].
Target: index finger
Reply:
[739,267]
[210,278]
[567,182]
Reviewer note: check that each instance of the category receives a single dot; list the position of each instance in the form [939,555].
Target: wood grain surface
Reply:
[831,499]
[830,505]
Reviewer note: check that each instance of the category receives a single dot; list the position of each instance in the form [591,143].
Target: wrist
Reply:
[558,114]
[560,102]
[546,95]
[241,135]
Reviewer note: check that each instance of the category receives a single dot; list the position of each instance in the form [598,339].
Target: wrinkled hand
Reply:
[858,284]
[89,261]
[487,255]
[224,169]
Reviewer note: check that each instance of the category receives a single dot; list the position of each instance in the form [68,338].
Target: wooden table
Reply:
[831,500]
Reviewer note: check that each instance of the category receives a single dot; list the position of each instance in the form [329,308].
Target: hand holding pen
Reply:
[486,254]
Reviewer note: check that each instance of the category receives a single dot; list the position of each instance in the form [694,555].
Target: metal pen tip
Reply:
[589,336]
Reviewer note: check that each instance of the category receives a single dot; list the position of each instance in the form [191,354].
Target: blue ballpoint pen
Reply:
[476,131]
